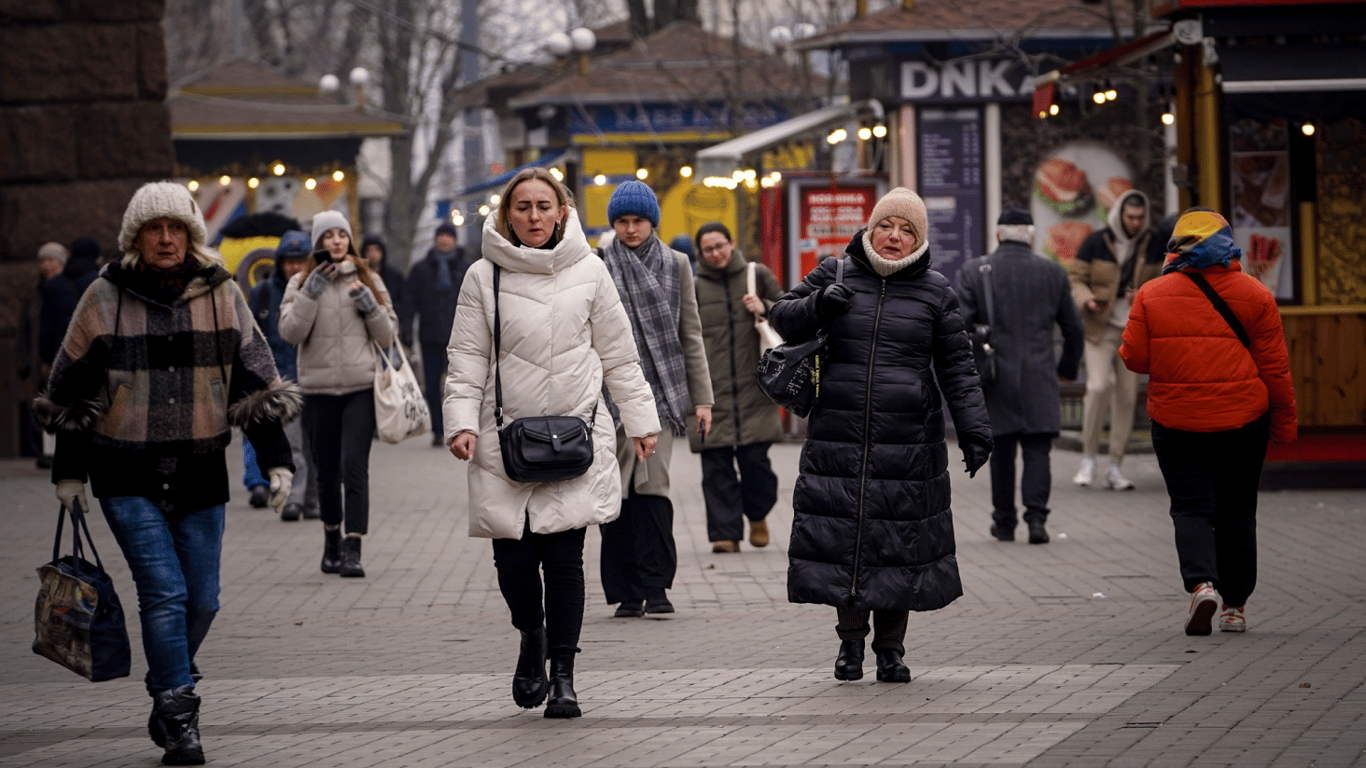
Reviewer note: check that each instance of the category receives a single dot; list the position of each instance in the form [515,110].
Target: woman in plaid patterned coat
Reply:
[161,360]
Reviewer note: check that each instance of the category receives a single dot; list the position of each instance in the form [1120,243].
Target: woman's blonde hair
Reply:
[562,194]
[363,271]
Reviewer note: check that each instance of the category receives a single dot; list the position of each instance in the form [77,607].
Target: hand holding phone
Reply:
[322,256]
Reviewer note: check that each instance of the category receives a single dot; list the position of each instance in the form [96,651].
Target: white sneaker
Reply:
[1116,481]
[1203,605]
[1086,472]
[1232,620]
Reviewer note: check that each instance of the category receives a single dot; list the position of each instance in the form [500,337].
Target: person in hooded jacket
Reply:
[291,256]
[1111,265]
[336,311]
[1215,396]
[432,289]
[376,255]
[872,527]
[564,334]
[744,421]
[161,360]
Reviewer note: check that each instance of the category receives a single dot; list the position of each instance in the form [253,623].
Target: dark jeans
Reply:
[174,562]
[434,362]
[1212,479]
[889,628]
[639,557]
[1035,482]
[560,556]
[340,429]
[730,497]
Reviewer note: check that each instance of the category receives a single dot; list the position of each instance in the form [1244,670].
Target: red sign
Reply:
[827,218]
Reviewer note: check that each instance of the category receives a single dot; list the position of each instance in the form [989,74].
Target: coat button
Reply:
[171,401]
[165,486]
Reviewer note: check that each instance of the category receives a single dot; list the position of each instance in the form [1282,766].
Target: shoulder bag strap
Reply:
[749,279]
[839,269]
[497,344]
[985,269]
[1221,306]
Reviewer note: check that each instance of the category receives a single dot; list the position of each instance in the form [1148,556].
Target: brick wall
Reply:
[83,123]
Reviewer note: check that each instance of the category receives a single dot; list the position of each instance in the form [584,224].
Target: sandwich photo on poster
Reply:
[1259,181]
[1074,188]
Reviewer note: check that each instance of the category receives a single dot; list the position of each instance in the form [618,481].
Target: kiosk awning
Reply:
[725,158]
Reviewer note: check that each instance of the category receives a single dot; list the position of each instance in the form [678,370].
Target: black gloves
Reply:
[833,300]
[975,455]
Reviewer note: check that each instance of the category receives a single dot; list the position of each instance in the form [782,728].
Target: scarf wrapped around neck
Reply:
[647,279]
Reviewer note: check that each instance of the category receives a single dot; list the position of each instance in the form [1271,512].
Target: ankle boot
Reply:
[331,550]
[350,558]
[153,724]
[849,664]
[563,702]
[529,682]
[890,668]
[177,714]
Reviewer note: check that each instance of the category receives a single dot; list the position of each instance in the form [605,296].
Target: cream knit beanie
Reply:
[54,251]
[162,199]
[326,220]
[906,204]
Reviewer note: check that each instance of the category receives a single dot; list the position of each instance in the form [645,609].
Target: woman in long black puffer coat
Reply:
[872,528]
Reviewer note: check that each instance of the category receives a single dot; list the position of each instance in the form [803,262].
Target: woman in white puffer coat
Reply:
[564,334]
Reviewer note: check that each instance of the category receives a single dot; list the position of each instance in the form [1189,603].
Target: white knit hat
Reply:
[331,220]
[162,199]
[53,251]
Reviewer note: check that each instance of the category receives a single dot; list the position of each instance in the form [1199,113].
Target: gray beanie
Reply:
[53,251]
[331,220]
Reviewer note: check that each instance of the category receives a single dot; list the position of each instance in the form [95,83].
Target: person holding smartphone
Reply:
[332,311]
[639,557]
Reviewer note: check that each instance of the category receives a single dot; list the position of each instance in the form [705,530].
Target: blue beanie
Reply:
[293,245]
[633,198]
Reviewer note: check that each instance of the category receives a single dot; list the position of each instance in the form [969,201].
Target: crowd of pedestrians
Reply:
[145,370]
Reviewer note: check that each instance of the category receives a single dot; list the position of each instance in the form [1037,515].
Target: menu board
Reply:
[951,185]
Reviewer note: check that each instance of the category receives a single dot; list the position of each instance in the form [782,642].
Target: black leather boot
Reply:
[529,683]
[177,714]
[331,550]
[350,558]
[849,664]
[153,724]
[890,669]
[563,702]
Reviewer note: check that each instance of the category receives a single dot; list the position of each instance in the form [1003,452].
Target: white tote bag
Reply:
[768,338]
[400,409]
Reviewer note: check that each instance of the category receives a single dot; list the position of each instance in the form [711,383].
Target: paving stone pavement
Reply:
[1069,654]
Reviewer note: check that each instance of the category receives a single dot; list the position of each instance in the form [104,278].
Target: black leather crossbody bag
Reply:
[538,449]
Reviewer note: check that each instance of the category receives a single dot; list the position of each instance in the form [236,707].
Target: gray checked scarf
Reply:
[647,279]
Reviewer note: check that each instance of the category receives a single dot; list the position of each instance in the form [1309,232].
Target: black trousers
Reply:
[731,497]
[639,557]
[340,429]
[559,603]
[434,362]
[889,628]
[1036,482]
[1212,479]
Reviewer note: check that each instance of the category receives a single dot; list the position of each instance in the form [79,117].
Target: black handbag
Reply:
[983,353]
[790,373]
[77,619]
[538,449]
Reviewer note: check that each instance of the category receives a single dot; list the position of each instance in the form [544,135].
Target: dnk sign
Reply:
[966,80]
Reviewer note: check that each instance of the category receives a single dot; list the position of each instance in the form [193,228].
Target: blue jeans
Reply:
[175,567]
[251,476]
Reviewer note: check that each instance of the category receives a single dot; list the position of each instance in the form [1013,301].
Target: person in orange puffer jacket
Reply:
[1215,397]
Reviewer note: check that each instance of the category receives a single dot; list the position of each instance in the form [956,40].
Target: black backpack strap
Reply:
[1221,306]
[985,269]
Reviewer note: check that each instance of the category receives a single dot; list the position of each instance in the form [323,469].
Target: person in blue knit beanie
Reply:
[639,558]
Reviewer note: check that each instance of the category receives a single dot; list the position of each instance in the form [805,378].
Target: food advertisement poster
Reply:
[1259,176]
[1074,188]
[827,217]
[951,185]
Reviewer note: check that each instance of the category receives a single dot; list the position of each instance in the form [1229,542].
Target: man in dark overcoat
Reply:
[1030,294]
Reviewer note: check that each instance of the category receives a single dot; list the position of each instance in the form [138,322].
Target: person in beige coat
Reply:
[334,312]
[564,334]
[639,557]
